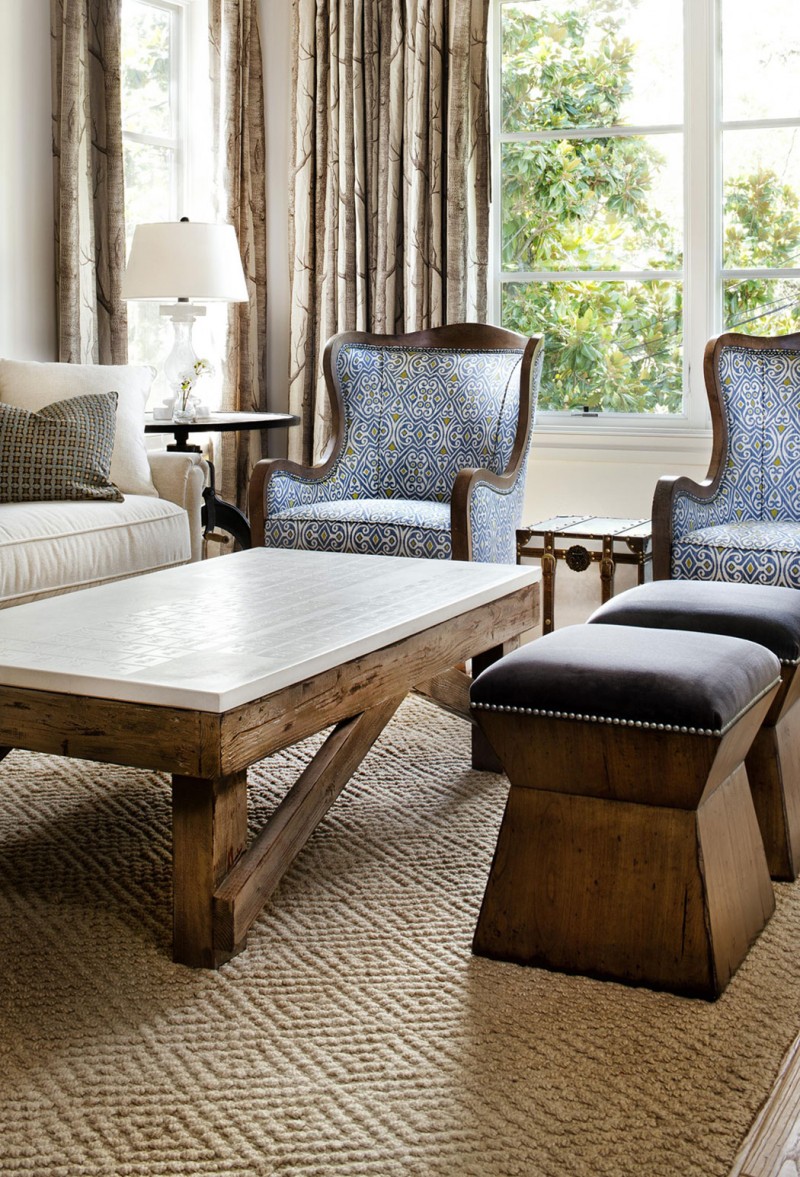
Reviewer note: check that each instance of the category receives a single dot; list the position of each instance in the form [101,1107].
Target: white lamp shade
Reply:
[187,260]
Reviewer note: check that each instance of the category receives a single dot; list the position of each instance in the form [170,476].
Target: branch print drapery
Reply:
[237,104]
[389,198]
[88,180]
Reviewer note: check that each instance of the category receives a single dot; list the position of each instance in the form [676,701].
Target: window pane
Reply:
[761,173]
[588,63]
[615,346]
[602,204]
[757,306]
[761,60]
[147,46]
[149,178]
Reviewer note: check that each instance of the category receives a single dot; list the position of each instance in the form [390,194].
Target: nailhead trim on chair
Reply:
[660,727]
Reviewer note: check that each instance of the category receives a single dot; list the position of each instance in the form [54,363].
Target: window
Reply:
[153,111]
[648,171]
[166,152]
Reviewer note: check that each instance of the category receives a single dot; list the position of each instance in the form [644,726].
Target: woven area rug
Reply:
[357,1034]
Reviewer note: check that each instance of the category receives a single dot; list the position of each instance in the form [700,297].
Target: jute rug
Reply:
[357,1034]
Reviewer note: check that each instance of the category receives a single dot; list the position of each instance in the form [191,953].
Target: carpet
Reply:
[357,1034]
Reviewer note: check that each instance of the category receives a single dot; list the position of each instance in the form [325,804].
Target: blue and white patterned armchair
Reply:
[743,522]
[431,433]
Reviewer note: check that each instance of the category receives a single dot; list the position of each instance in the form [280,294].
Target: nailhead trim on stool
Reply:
[658,727]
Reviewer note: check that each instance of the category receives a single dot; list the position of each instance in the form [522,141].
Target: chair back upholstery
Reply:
[416,415]
[758,389]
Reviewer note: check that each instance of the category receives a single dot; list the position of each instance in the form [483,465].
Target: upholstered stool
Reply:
[771,617]
[629,848]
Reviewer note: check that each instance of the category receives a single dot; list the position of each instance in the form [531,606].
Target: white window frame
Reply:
[191,188]
[702,274]
[188,82]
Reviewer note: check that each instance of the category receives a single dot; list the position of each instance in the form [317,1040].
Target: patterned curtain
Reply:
[239,147]
[389,199]
[88,178]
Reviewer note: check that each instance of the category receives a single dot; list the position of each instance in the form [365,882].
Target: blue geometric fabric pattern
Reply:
[751,552]
[494,519]
[388,527]
[413,418]
[747,531]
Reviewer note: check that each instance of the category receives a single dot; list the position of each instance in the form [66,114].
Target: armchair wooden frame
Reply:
[671,485]
[457,336]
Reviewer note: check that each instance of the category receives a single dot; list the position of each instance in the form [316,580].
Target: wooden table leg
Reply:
[209,832]
[247,887]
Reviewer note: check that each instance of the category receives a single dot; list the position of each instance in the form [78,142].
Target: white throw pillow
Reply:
[30,385]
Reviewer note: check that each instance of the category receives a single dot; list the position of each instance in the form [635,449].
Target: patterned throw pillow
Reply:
[63,452]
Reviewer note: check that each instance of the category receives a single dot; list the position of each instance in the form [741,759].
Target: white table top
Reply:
[214,635]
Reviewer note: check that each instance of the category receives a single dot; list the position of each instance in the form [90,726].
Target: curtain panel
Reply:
[237,103]
[389,194]
[88,180]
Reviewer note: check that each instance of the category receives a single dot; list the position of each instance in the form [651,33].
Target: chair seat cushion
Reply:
[752,552]
[693,682]
[388,527]
[48,548]
[760,613]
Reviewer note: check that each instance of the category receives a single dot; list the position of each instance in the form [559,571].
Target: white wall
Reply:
[605,480]
[27,288]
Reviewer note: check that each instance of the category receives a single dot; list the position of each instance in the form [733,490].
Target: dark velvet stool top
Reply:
[670,680]
[765,614]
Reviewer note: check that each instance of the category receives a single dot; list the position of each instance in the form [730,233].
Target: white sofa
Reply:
[59,546]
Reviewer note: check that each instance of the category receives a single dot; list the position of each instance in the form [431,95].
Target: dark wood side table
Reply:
[621,541]
[216,511]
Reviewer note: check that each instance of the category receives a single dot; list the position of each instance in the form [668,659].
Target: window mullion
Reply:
[702,313]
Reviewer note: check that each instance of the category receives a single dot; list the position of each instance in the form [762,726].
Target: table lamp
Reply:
[186,261]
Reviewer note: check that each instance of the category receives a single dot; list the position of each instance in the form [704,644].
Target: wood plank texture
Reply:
[450,690]
[135,734]
[247,887]
[772,1146]
[773,766]
[251,732]
[209,832]
[738,893]
[605,889]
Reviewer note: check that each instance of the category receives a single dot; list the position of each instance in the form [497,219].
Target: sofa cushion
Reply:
[48,548]
[31,385]
[61,452]
[750,551]
[384,527]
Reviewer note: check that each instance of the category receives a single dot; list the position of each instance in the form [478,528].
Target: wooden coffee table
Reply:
[201,671]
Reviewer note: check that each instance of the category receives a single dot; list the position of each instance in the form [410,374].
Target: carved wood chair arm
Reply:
[263,472]
[668,487]
[466,482]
